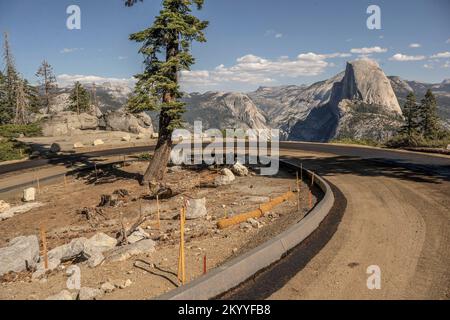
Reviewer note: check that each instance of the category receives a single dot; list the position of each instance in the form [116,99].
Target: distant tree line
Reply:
[421,122]
[19,100]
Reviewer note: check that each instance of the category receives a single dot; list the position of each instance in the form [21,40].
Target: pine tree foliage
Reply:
[429,122]
[47,84]
[411,113]
[79,98]
[10,83]
[166,46]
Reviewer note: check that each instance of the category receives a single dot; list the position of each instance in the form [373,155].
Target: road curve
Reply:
[397,216]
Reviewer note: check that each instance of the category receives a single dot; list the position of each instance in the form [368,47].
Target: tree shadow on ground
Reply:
[344,165]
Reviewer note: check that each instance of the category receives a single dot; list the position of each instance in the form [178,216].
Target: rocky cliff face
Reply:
[364,81]
[224,111]
[347,105]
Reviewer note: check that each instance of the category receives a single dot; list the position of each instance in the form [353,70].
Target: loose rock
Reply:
[126,138]
[127,251]
[20,254]
[4,206]
[55,148]
[98,142]
[226,177]
[239,169]
[29,195]
[138,235]
[196,208]
[78,145]
[63,295]
[107,287]
[89,293]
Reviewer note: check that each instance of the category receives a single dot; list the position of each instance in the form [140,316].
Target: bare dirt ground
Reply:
[156,273]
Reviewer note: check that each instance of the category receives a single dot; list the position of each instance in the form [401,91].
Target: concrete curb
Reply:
[236,271]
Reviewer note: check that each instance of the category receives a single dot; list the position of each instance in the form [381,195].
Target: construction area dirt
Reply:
[111,201]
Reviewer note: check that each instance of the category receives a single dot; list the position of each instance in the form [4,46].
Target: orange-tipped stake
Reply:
[204,264]
[181,262]
[44,247]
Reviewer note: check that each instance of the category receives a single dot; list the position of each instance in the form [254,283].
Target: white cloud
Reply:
[368,50]
[255,70]
[441,55]
[415,45]
[70,50]
[428,66]
[273,33]
[122,58]
[448,40]
[65,80]
[446,65]
[403,57]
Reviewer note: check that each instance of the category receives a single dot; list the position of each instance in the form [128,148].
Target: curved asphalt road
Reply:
[397,216]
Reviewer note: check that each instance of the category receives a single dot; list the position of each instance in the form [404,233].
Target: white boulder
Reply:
[196,208]
[239,169]
[29,195]
[4,206]
[226,177]
[138,235]
[20,254]
[78,145]
[98,142]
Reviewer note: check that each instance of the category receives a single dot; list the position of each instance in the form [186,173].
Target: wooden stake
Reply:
[158,212]
[204,264]
[181,262]
[65,181]
[44,247]
[312,179]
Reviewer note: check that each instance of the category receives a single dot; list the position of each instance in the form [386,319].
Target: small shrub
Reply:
[13,130]
[13,150]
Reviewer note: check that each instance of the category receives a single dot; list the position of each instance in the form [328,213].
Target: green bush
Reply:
[417,141]
[13,130]
[13,150]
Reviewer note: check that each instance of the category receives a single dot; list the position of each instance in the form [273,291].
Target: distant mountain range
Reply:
[360,102]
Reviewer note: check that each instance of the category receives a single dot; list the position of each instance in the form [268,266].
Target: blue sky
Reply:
[250,42]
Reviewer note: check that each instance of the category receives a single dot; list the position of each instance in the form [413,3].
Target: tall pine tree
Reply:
[429,123]
[11,82]
[411,113]
[80,100]
[47,81]
[166,47]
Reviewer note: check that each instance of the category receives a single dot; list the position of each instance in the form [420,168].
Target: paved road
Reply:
[396,216]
